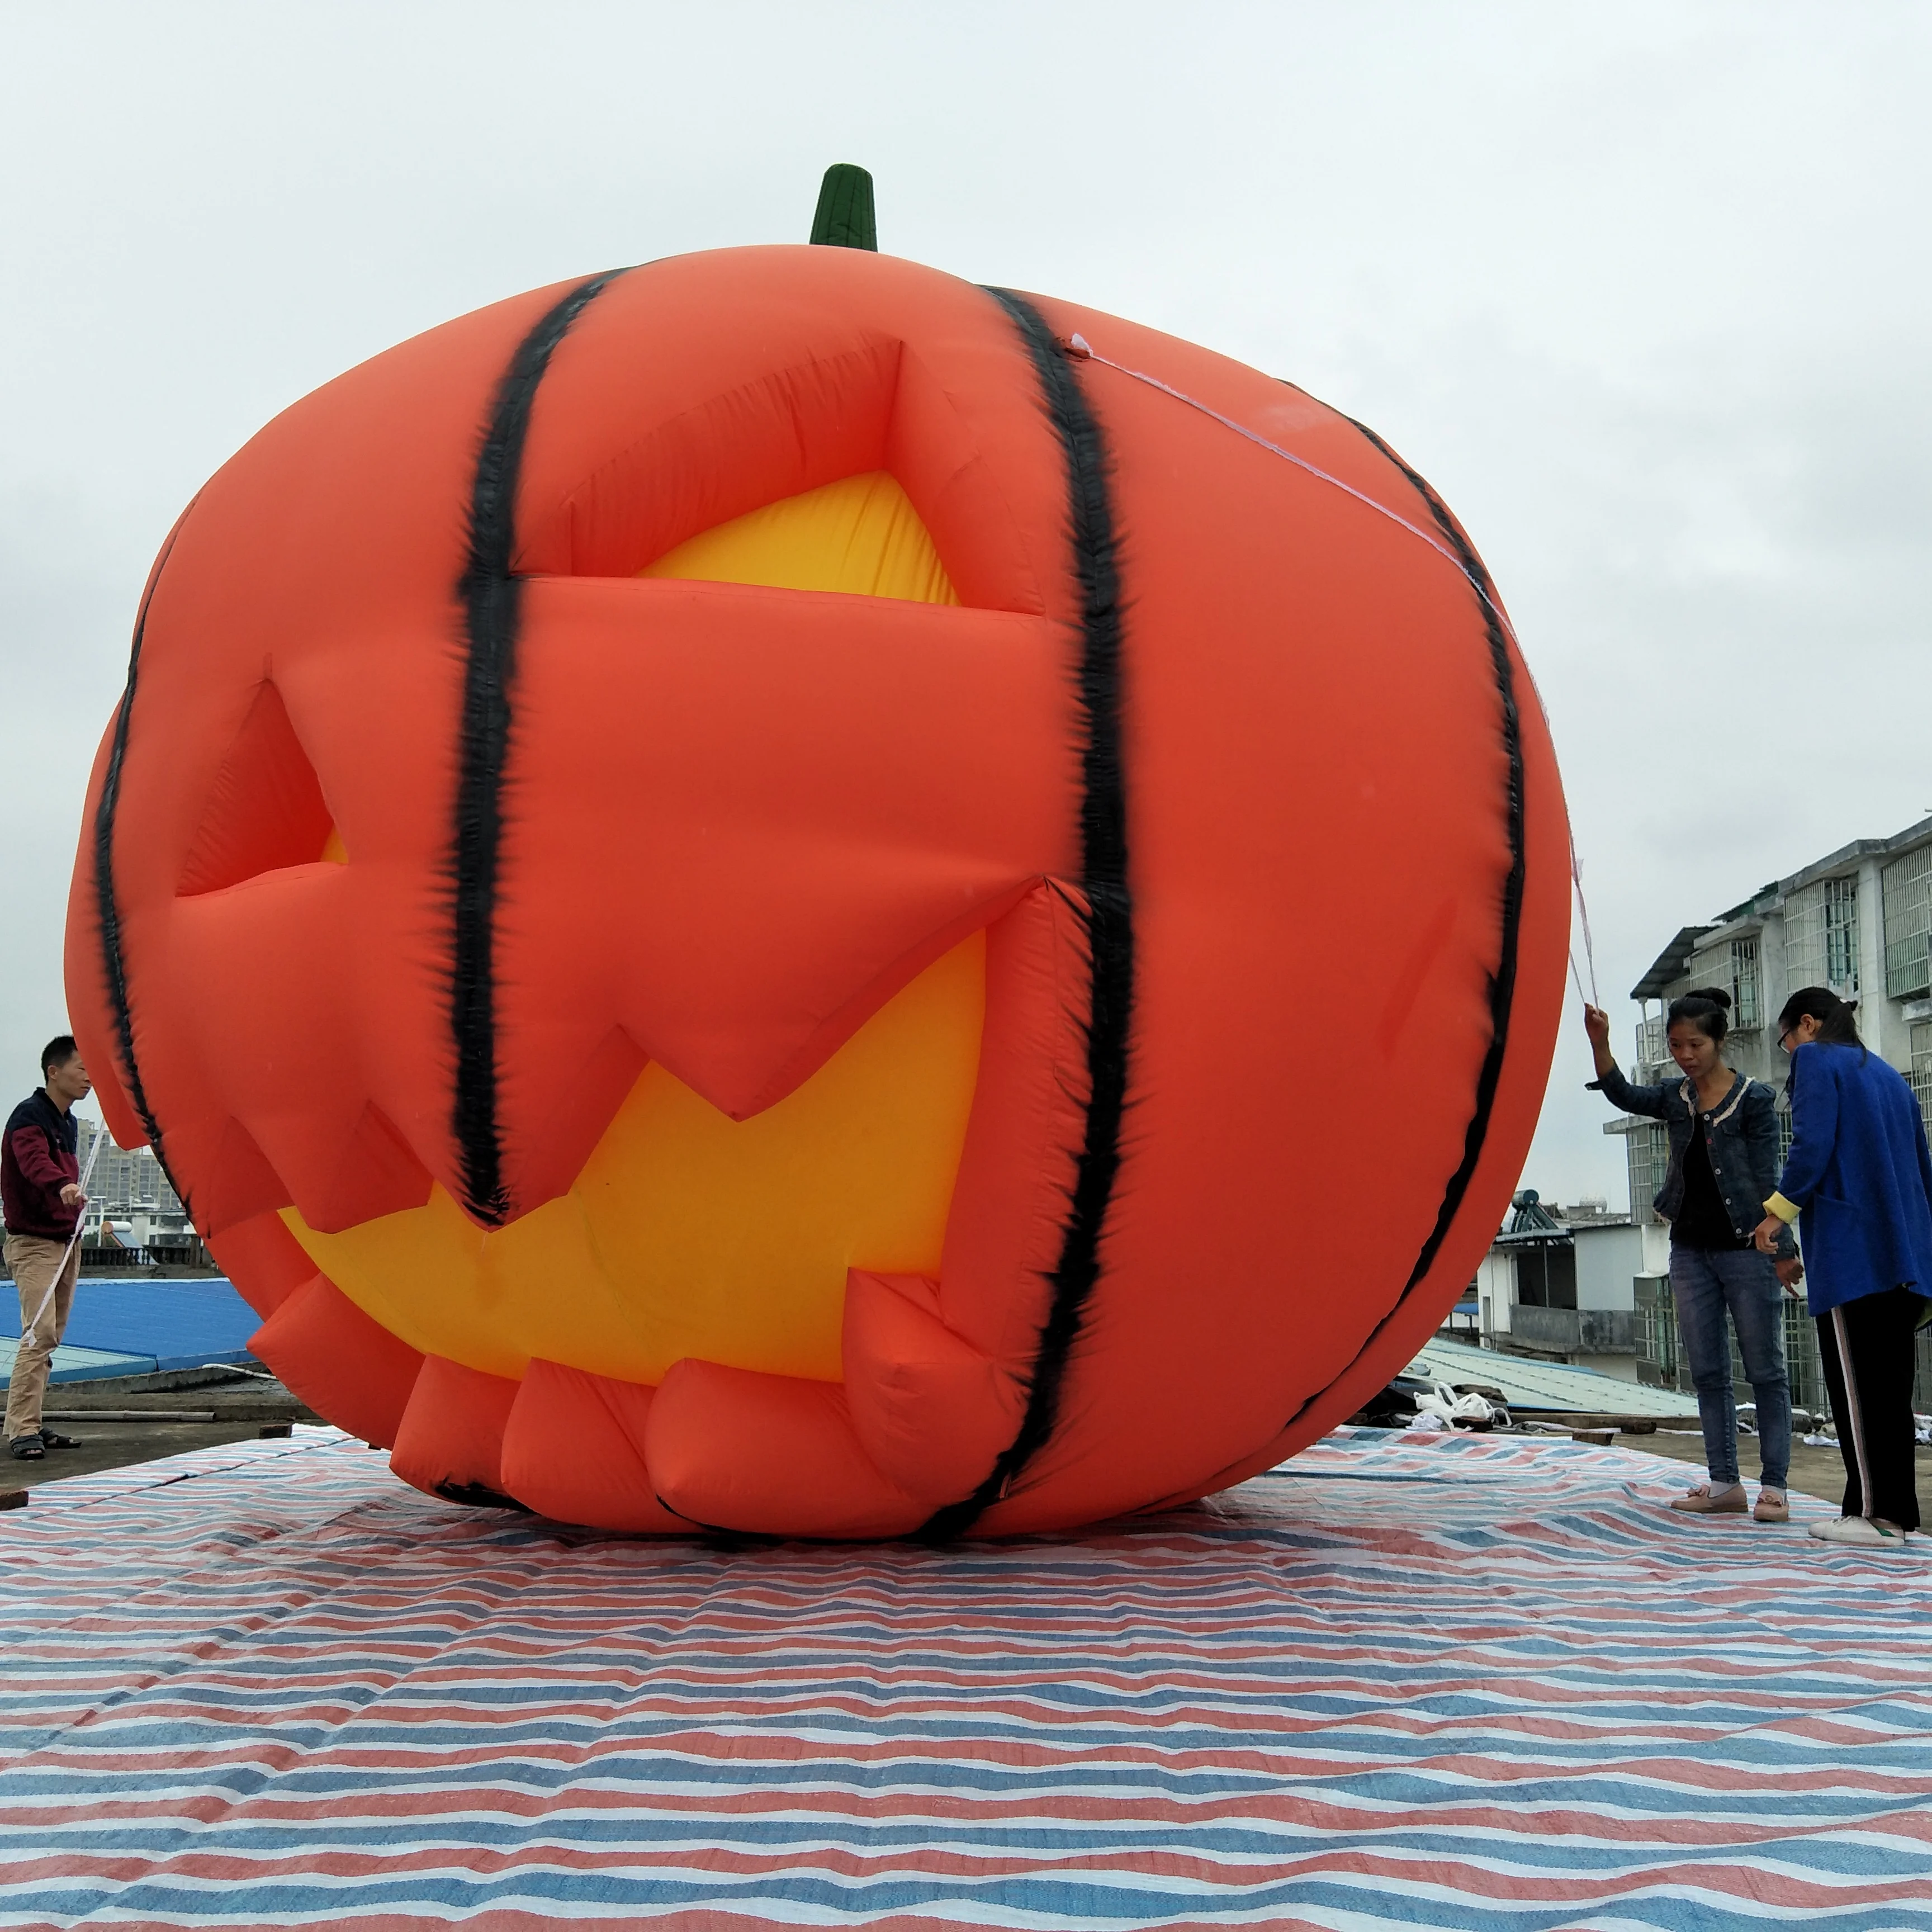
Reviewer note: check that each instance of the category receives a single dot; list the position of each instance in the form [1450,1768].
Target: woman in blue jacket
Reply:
[1859,1183]
[1723,1156]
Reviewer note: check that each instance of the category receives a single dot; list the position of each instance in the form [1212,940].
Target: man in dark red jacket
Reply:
[40,1199]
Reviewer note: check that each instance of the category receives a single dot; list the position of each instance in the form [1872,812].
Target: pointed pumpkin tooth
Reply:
[343,1364]
[930,1411]
[450,1443]
[263,1259]
[778,1455]
[574,1451]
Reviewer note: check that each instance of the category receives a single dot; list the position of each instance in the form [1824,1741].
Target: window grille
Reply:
[1841,934]
[1747,1006]
[1804,938]
[1656,1332]
[1647,1149]
[1732,963]
[1661,1365]
[1803,1369]
[1821,937]
[1710,966]
[1653,1050]
[1921,1070]
[1907,892]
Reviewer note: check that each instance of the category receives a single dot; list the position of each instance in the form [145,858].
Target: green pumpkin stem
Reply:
[844,219]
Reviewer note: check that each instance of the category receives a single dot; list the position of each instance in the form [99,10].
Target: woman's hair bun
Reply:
[1708,1009]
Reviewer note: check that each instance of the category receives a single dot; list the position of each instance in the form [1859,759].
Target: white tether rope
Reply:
[27,1328]
[1079,347]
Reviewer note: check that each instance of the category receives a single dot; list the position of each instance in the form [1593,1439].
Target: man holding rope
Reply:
[41,1197]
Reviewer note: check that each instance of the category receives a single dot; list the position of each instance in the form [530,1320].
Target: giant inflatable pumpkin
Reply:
[756,892]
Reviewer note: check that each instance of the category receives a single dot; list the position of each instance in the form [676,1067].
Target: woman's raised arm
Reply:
[1618,1091]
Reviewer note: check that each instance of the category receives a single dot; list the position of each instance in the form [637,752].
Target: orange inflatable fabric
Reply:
[749,893]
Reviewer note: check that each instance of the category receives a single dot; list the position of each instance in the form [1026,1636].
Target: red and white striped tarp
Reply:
[1402,1681]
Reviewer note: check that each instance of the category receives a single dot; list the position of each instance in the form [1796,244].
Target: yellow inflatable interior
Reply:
[689,1234]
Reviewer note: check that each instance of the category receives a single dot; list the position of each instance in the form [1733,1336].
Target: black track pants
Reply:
[1875,1334]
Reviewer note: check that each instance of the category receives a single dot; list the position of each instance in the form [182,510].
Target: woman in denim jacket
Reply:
[1724,1163]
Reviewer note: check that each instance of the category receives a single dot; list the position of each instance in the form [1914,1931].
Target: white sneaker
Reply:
[1861,1532]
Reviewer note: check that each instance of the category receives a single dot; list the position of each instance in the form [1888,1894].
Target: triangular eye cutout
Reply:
[266,811]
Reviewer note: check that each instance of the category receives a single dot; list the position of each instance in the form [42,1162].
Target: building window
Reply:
[1906,894]
[1647,1149]
[1921,1070]
[1747,1007]
[1711,966]
[1732,964]
[125,1181]
[1821,937]
[1653,1050]
[1546,1275]
[1841,934]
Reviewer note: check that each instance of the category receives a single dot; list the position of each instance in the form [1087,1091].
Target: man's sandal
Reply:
[51,1438]
[28,1448]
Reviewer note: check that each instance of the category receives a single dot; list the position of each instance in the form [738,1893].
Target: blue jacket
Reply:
[1859,1177]
[1742,1140]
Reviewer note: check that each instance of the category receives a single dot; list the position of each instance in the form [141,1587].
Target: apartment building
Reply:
[1859,920]
[125,1182]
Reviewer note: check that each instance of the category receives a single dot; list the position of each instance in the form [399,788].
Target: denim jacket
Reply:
[1742,1139]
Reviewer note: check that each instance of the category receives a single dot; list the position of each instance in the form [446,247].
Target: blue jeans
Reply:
[1704,1282]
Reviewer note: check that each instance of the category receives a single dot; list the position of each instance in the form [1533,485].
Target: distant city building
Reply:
[1858,921]
[125,1181]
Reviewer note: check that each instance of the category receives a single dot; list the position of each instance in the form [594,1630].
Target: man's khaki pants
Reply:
[44,1272]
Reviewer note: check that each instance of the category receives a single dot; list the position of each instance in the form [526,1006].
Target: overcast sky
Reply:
[1643,289]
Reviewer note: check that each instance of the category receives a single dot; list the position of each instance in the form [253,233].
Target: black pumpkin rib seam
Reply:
[491,597]
[107,905]
[1104,908]
[1502,981]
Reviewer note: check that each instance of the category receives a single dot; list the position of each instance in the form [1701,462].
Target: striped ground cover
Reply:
[1466,1682]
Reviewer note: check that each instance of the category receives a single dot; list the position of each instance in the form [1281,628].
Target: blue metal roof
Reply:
[131,1327]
